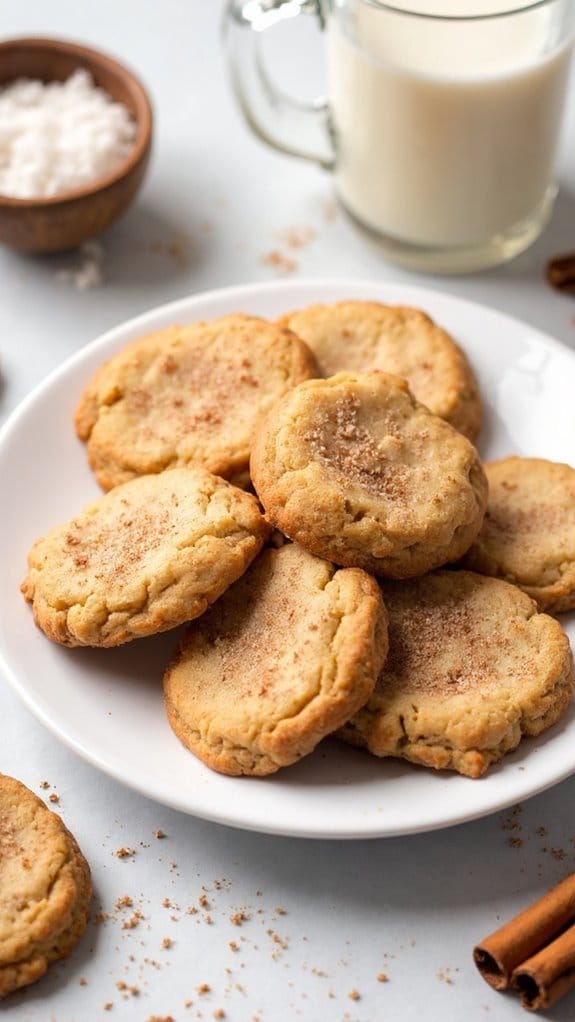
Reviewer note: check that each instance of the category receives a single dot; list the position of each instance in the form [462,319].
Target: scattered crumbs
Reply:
[354,995]
[54,797]
[280,262]
[166,942]
[45,784]
[382,977]
[203,988]
[177,248]
[511,820]
[445,975]
[239,917]
[281,941]
[296,237]
[133,921]
[125,852]
[124,902]
[159,834]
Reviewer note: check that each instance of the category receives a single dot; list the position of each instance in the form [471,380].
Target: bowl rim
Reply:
[144,119]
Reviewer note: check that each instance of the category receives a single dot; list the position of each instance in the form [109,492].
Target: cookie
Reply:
[45,887]
[472,668]
[188,396]
[528,535]
[359,472]
[145,557]
[356,336]
[284,658]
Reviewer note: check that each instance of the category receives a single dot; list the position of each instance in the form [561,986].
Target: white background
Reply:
[216,203]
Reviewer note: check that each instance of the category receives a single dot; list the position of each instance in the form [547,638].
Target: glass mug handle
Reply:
[289,125]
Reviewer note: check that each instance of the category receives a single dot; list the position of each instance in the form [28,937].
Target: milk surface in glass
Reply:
[446,132]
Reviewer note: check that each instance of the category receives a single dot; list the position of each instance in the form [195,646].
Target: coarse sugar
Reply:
[60,136]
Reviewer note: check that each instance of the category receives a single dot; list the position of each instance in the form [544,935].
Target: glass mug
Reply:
[442,121]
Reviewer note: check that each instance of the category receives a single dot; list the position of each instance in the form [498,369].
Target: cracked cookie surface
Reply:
[45,887]
[284,658]
[357,336]
[528,534]
[145,557]
[472,668]
[188,396]
[357,471]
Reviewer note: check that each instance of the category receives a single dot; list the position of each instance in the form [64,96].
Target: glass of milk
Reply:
[441,123]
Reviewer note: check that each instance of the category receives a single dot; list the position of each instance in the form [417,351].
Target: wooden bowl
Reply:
[70,218]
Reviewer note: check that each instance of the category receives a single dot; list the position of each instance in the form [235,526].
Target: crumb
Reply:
[133,921]
[159,834]
[280,911]
[233,945]
[160,1018]
[445,975]
[354,995]
[83,982]
[219,1013]
[108,1005]
[382,977]
[45,784]
[541,831]
[239,917]
[54,797]
[203,988]
[515,842]
[280,262]
[101,917]
[203,901]
[297,237]
[124,902]
[558,853]
[124,853]
[166,943]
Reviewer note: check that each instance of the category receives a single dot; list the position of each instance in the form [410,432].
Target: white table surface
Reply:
[323,919]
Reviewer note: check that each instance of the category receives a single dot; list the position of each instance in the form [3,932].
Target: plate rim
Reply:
[405,292]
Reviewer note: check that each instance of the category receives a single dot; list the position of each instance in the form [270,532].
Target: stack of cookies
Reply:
[308,496]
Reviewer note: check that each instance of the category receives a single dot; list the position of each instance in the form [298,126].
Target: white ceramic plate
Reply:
[107,704]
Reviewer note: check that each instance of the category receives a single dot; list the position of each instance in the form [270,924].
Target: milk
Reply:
[446,132]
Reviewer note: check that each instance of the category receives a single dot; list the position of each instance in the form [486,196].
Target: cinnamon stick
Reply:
[545,977]
[517,941]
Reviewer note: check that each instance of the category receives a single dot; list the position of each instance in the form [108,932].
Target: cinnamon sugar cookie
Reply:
[147,556]
[358,472]
[528,535]
[188,396]
[472,667]
[285,657]
[45,887]
[356,336]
